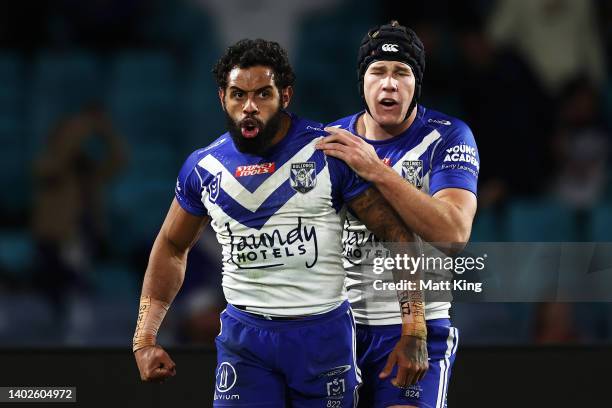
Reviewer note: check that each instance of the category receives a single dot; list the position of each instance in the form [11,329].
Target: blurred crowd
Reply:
[101,101]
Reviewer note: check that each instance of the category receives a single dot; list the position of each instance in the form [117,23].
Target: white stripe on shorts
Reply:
[451,347]
[357,370]
[221,322]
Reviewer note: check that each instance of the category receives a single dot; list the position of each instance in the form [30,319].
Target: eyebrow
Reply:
[402,68]
[263,88]
[397,68]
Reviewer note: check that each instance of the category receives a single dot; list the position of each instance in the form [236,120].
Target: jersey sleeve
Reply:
[455,162]
[346,184]
[189,187]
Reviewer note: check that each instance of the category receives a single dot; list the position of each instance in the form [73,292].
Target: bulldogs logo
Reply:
[303,176]
[412,171]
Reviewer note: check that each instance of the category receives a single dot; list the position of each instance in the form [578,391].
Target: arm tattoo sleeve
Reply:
[380,218]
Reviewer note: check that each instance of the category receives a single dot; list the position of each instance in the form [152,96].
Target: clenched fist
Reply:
[154,364]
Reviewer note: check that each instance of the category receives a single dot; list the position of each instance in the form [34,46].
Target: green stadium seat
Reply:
[601,224]
[540,221]
[200,112]
[142,97]
[325,56]
[11,82]
[141,70]
[62,84]
[16,252]
[487,226]
[138,206]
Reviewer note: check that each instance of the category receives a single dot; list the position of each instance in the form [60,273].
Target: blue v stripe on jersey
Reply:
[257,219]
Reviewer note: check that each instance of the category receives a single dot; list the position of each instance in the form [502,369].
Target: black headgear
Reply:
[392,42]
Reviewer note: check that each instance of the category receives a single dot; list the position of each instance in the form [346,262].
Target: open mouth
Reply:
[388,102]
[249,128]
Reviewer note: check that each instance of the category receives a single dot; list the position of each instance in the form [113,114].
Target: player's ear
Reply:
[286,95]
[222,97]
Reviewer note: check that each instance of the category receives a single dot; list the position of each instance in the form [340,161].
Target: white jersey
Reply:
[434,153]
[279,219]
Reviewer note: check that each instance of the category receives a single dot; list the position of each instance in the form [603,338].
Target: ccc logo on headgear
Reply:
[390,48]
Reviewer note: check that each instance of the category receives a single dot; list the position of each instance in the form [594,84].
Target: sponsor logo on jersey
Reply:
[213,188]
[462,153]
[303,176]
[254,169]
[439,121]
[387,161]
[318,129]
[248,251]
[390,48]
[412,171]
[215,144]
[361,246]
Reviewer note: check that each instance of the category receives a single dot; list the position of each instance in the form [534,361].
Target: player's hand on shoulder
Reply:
[353,150]
[154,364]
[410,355]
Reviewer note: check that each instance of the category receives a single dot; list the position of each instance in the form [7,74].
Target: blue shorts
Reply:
[375,343]
[308,362]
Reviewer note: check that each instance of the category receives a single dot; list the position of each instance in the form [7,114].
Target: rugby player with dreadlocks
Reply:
[277,205]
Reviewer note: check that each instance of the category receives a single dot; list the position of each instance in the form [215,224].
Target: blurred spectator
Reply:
[200,323]
[555,324]
[509,113]
[267,19]
[82,153]
[581,146]
[559,39]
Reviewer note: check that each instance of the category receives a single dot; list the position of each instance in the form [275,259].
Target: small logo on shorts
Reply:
[226,377]
[336,371]
[412,171]
[336,388]
[414,391]
[303,176]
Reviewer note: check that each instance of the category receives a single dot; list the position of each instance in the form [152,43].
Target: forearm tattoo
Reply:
[380,218]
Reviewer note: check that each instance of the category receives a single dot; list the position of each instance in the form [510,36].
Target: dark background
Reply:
[482,377]
[101,101]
